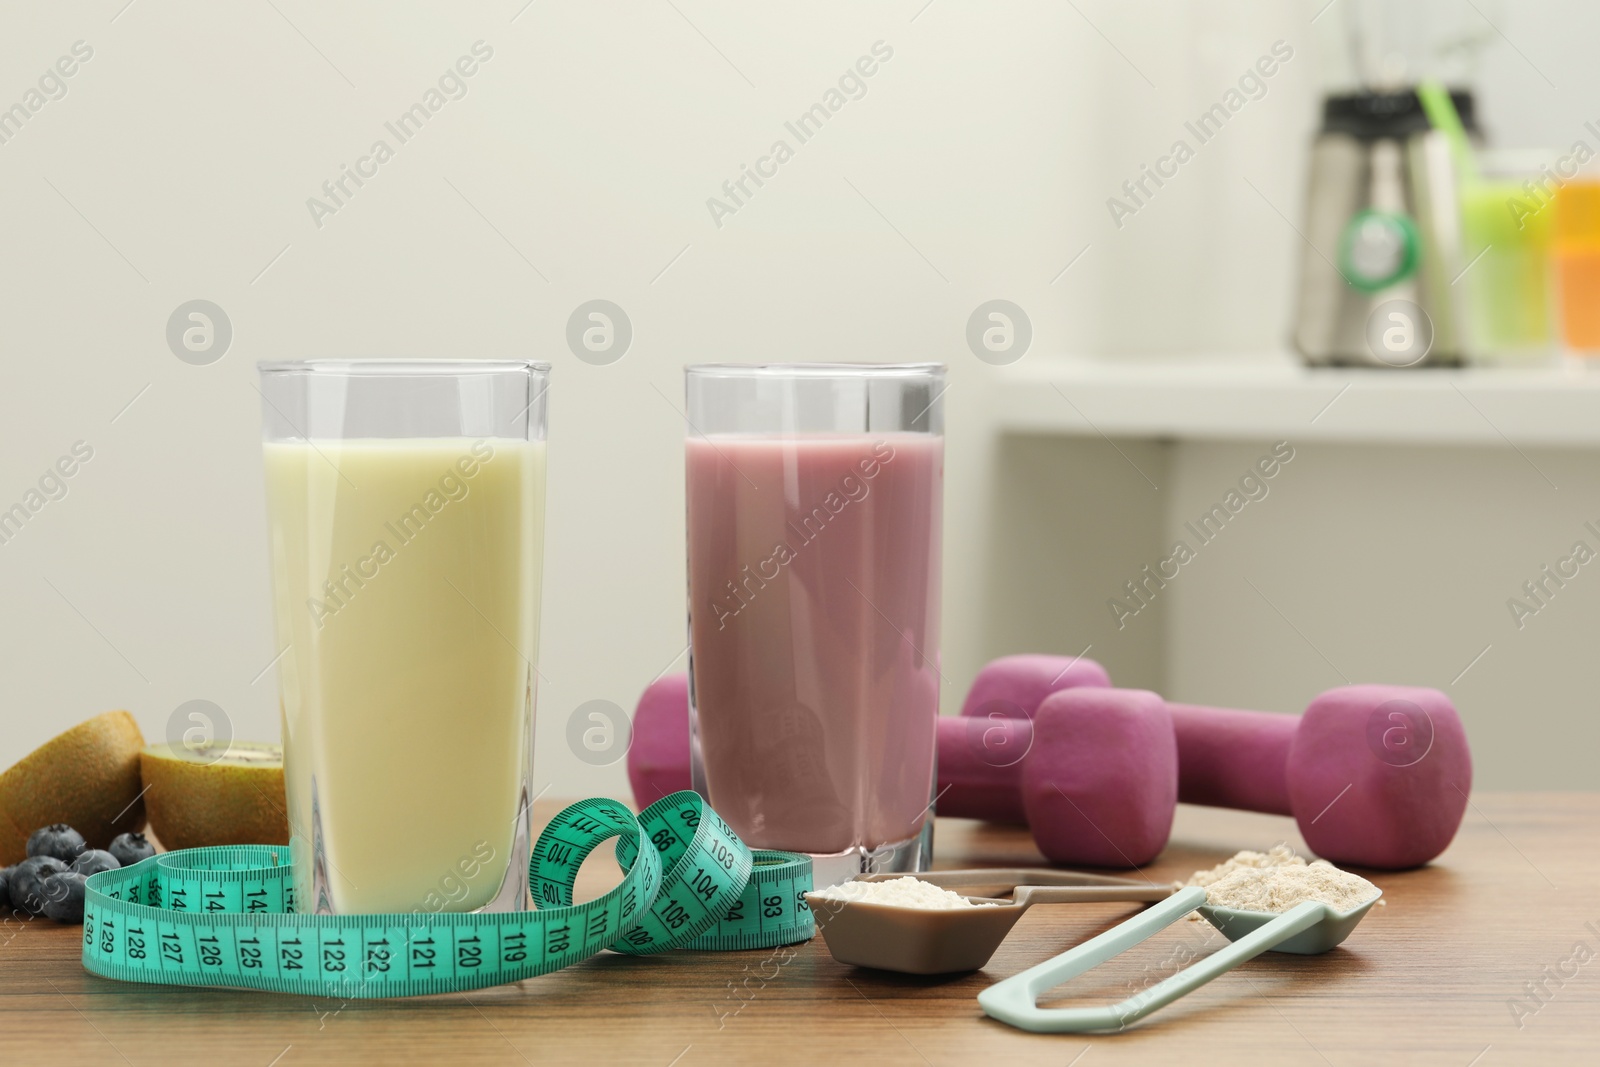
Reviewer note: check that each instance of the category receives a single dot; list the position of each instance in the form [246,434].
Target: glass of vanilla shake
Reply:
[405,506]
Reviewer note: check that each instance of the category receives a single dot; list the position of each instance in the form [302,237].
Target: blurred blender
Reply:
[1383,241]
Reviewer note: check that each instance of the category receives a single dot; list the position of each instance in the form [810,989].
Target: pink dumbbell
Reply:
[978,753]
[1097,786]
[1113,772]
[658,755]
[1376,775]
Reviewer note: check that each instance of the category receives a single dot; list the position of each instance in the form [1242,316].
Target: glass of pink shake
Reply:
[815,505]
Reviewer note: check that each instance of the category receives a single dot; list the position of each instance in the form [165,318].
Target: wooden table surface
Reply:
[1484,958]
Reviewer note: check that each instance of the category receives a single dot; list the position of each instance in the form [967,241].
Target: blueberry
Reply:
[5,886]
[131,848]
[27,882]
[93,861]
[63,897]
[57,840]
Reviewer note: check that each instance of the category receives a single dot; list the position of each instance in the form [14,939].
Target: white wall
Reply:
[190,142]
[977,166]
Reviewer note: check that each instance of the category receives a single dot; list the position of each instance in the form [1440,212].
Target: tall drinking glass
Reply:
[405,502]
[815,500]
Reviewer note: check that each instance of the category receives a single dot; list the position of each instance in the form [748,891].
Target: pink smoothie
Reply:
[814,626]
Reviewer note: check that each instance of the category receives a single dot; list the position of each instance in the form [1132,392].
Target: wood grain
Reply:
[1427,979]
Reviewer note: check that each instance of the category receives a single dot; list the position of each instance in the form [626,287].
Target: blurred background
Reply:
[1146,358]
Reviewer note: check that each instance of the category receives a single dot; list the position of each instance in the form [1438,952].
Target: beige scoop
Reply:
[929,941]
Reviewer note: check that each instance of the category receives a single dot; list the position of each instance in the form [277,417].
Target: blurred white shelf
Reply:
[1274,396]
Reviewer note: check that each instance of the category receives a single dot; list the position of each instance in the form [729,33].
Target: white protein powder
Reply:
[899,893]
[1279,855]
[1278,879]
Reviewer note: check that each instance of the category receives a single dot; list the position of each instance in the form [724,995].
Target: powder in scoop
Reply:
[1279,855]
[900,893]
[1277,880]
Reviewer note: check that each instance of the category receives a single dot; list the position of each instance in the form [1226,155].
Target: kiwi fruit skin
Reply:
[87,777]
[194,804]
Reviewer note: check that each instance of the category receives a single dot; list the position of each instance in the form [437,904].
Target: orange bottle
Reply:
[1577,259]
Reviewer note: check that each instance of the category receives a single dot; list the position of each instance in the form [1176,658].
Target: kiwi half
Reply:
[87,778]
[205,796]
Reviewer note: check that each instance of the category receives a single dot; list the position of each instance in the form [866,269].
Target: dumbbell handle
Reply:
[980,767]
[1226,759]
[1234,759]
[979,759]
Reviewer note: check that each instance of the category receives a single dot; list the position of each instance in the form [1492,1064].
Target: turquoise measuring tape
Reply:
[225,916]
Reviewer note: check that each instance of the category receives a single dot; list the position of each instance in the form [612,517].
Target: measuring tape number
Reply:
[224,916]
